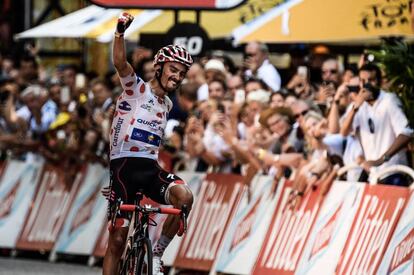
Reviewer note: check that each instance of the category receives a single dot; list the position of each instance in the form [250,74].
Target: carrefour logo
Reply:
[124,106]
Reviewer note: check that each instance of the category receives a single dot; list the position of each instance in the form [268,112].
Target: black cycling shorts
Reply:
[129,175]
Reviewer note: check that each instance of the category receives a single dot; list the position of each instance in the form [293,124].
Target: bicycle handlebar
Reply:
[162,210]
[127,207]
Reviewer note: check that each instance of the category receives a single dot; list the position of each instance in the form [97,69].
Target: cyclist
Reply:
[137,129]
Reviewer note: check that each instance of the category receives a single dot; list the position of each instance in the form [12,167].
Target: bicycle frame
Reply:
[140,235]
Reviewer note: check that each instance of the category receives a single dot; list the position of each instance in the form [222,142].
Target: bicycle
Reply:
[138,254]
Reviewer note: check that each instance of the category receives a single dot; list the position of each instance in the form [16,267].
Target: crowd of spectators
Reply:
[226,118]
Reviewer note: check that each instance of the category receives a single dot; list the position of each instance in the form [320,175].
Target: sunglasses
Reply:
[303,113]
[371,126]
[332,71]
[353,88]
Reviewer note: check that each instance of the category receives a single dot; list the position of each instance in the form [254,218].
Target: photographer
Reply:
[11,134]
[380,124]
[257,64]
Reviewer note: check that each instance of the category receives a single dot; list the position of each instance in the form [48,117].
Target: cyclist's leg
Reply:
[178,195]
[168,188]
[117,235]
[116,245]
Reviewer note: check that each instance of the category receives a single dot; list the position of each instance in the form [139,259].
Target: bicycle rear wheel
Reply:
[144,257]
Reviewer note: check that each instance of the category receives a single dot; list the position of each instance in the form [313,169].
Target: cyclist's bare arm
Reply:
[119,53]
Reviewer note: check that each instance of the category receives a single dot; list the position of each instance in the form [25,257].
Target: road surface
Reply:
[18,266]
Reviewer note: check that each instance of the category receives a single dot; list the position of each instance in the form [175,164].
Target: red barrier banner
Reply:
[331,229]
[215,206]
[247,230]
[87,214]
[376,219]
[399,257]
[50,207]
[2,168]
[102,242]
[17,189]
[287,234]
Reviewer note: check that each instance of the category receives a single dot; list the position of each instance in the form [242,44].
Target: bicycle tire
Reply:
[144,252]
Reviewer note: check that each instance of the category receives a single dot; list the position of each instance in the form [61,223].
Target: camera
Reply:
[372,89]
[4,95]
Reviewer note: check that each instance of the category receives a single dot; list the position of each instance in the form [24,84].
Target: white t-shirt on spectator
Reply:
[49,110]
[389,121]
[268,73]
[217,146]
[349,153]
[202,92]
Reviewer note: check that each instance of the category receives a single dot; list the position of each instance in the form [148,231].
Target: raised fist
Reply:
[124,20]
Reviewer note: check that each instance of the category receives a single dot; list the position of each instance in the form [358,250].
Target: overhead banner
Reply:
[54,197]
[246,233]
[399,258]
[287,234]
[171,4]
[331,229]
[210,218]
[87,214]
[17,187]
[371,231]
[362,21]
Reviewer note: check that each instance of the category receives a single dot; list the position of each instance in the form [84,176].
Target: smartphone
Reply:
[80,81]
[374,91]
[239,96]
[303,71]
[65,95]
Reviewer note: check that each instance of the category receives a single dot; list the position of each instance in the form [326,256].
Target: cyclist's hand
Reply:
[124,20]
[106,192]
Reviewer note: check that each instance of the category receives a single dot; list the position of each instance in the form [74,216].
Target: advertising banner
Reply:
[54,197]
[399,258]
[245,235]
[87,214]
[371,231]
[17,186]
[213,210]
[102,243]
[331,229]
[287,234]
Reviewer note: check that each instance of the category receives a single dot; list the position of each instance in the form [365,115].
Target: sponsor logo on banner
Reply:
[287,235]
[7,203]
[102,243]
[403,252]
[210,218]
[399,257]
[85,212]
[372,229]
[324,236]
[244,228]
[50,208]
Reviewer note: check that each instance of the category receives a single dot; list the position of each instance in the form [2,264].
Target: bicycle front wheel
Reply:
[129,264]
[144,257]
